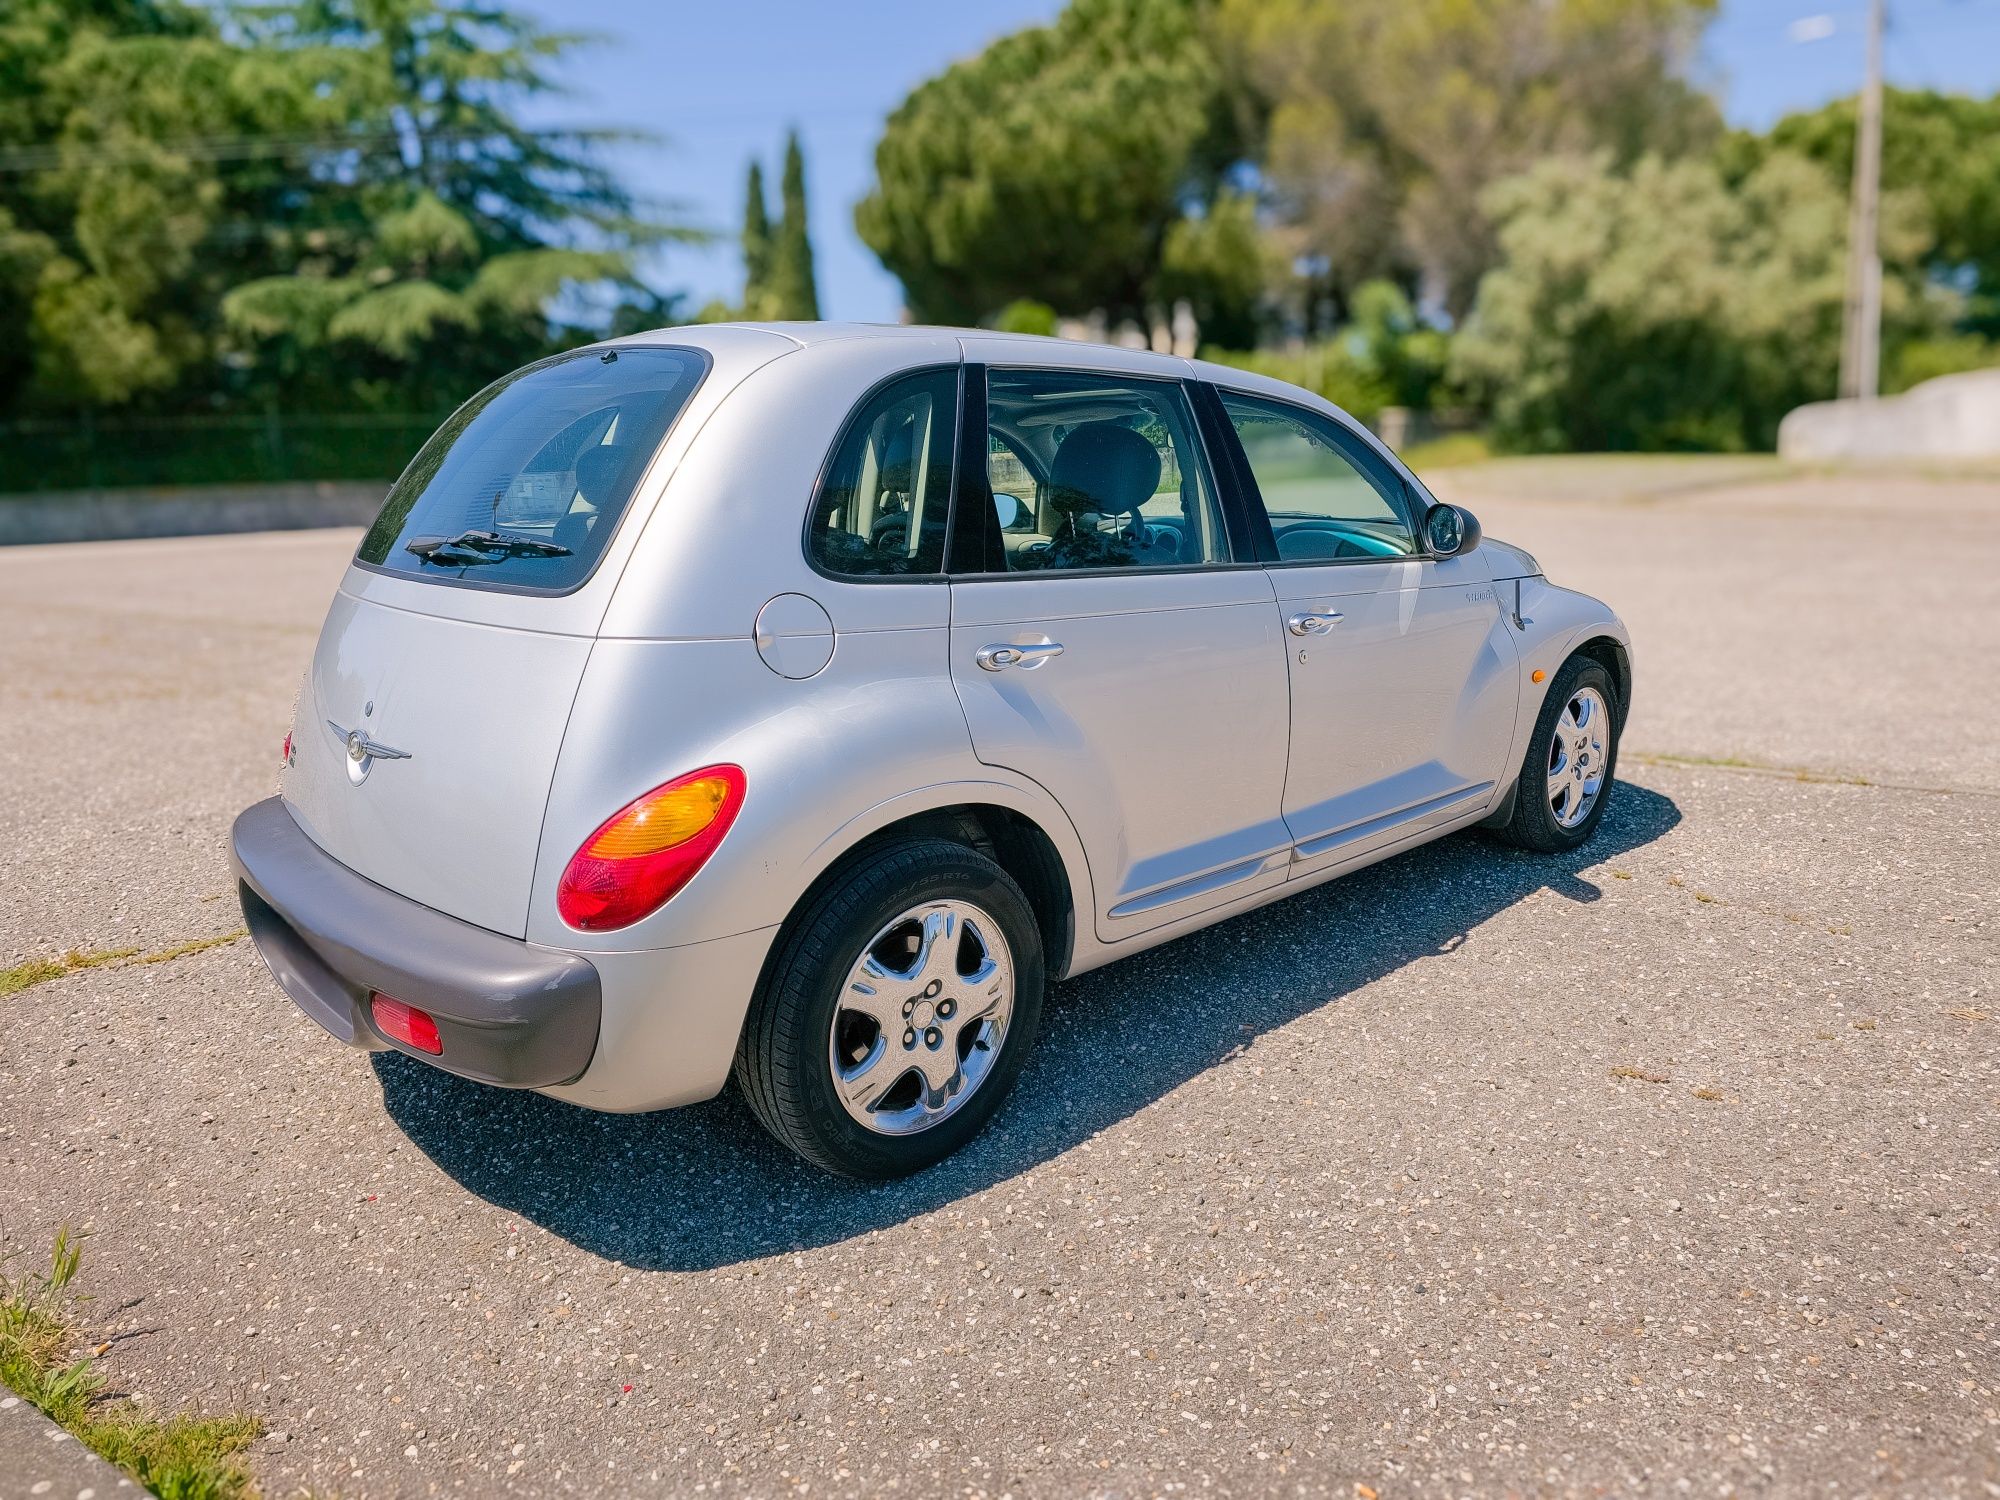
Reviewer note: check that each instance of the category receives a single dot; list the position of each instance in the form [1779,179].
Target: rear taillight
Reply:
[633,865]
[405,1024]
[286,753]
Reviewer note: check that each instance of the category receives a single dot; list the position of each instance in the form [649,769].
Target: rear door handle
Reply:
[1309,623]
[999,657]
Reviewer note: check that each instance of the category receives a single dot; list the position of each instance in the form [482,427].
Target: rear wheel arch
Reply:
[1013,839]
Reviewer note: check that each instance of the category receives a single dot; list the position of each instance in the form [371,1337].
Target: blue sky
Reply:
[722,81]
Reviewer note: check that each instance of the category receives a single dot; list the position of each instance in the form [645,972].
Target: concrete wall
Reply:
[106,515]
[1954,416]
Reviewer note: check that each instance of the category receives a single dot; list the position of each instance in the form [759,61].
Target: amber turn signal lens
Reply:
[641,856]
[660,820]
[1537,675]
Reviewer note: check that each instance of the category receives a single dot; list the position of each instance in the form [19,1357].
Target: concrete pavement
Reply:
[1667,1167]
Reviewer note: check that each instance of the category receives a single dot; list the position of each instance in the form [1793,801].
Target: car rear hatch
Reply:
[427,733]
[459,725]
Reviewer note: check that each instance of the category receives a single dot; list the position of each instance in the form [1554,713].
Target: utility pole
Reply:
[1861,331]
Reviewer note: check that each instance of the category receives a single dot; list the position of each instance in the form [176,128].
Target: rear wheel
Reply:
[1572,760]
[898,1011]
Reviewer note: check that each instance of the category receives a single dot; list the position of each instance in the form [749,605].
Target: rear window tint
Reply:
[525,483]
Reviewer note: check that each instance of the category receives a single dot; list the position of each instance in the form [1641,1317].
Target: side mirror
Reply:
[1451,530]
[1008,508]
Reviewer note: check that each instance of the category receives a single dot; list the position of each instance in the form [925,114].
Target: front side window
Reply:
[1324,505]
[1093,471]
[524,484]
[881,511]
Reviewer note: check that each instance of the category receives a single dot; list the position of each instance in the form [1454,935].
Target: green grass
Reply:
[41,970]
[178,1458]
[1452,452]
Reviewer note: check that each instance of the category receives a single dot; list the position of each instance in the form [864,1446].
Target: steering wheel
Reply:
[891,534]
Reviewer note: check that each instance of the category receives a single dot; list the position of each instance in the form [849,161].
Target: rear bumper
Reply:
[508,1012]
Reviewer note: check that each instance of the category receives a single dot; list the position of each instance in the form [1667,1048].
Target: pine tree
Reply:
[756,246]
[792,291]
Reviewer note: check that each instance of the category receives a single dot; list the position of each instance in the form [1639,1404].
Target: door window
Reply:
[881,511]
[1326,503]
[1093,471]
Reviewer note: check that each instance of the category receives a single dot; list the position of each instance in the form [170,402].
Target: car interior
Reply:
[1324,506]
[1087,471]
[1093,472]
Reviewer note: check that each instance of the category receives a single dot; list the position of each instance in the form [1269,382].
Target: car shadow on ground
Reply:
[701,1187]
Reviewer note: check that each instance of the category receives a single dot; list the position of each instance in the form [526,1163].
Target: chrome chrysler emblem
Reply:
[362,752]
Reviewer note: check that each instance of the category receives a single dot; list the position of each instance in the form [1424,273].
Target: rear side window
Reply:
[881,510]
[524,485]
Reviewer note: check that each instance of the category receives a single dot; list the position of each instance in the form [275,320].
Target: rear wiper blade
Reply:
[472,547]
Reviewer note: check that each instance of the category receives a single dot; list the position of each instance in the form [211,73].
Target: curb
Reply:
[39,1461]
[121,515]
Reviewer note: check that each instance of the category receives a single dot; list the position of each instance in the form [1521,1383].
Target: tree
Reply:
[792,290]
[1384,120]
[1941,149]
[124,215]
[434,263]
[310,203]
[1056,166]
[756,245]
[1660,308]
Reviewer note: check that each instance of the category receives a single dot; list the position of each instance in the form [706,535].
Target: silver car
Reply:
[794,703]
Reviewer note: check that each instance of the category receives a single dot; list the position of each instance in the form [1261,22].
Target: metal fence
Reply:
[93,453]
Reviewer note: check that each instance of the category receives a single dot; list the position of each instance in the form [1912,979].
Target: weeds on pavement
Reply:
[177,1458]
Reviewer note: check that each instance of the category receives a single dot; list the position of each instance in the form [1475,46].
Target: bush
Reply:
[1329,368]
[1663,309]
[1026,316]
[1926,359]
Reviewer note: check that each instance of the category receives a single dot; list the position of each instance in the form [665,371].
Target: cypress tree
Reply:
[792,289]
[756,246]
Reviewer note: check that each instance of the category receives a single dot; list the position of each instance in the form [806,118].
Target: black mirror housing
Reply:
[1451,530]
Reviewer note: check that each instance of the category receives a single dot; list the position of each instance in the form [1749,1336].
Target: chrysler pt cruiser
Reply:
[795,703]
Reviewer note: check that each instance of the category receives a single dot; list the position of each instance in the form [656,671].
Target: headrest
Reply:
[597,471]
[1104,468]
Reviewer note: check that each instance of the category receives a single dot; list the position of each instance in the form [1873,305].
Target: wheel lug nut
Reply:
[909,1038]
[933,1038]
[945,1008]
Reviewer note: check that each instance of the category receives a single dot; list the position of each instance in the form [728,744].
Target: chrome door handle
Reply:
[998,658]
[1309,623]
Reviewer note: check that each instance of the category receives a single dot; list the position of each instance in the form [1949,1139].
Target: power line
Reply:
[220,148]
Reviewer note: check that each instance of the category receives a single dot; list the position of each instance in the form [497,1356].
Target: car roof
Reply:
[988,346]
[988,343]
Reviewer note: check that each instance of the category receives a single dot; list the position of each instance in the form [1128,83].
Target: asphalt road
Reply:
[1670,1167]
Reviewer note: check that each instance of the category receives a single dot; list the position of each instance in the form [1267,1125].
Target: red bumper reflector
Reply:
[406,1024]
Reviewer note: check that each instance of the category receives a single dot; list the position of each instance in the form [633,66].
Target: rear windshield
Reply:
[524,485]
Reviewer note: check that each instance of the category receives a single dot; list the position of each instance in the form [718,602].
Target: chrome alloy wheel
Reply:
[1577,757]
[921,1017]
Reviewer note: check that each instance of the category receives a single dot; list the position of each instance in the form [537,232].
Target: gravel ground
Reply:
[1667,1167]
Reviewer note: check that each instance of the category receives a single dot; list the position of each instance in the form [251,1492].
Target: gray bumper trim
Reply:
[508,1012]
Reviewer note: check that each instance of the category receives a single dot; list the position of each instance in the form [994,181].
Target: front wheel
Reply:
[897,1012]
[1572,759]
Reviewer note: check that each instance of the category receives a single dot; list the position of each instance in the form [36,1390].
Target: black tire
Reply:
[1534,824]
[782,1058]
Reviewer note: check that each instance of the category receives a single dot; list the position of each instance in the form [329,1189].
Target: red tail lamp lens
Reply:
[406,1024]
[638,860]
